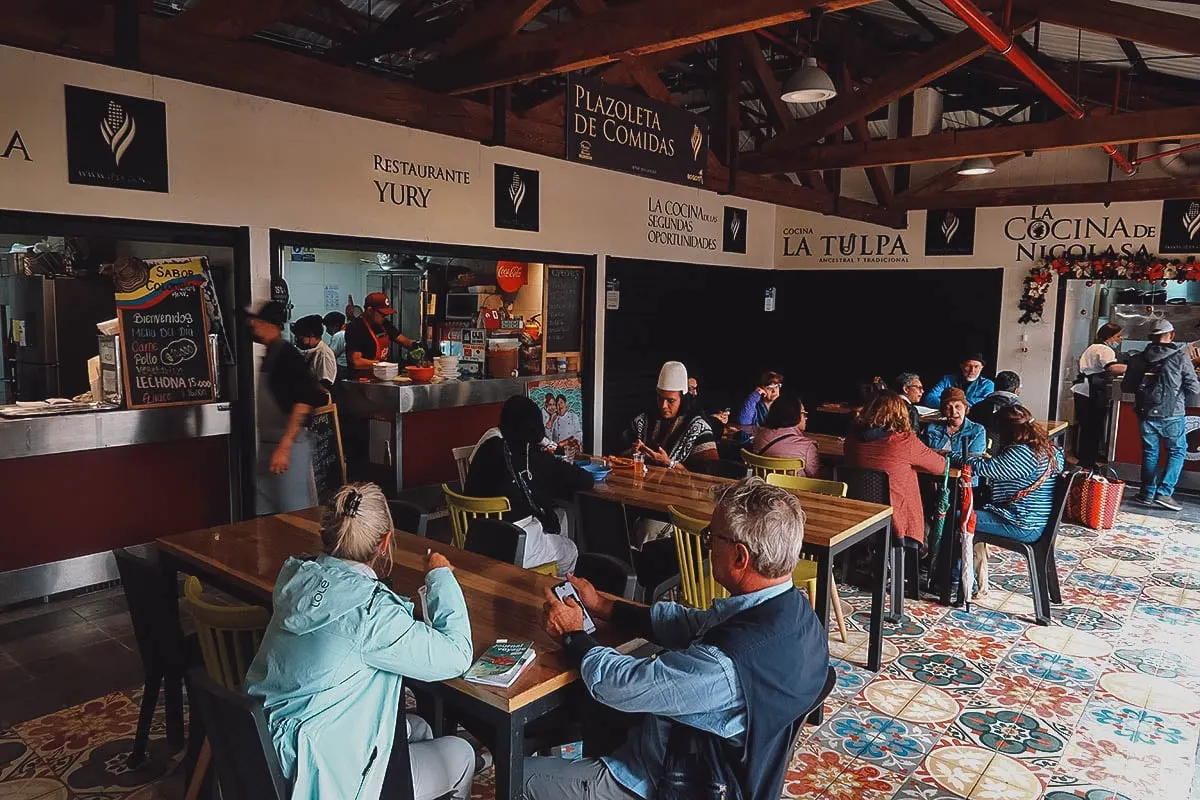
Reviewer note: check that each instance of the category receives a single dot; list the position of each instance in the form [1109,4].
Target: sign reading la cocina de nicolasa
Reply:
[629,132]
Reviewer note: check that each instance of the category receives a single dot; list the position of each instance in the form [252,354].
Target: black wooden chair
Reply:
[244,758]
[872,486]
[409,517]
[166,653]
[720,468]
[496,539]
[607,574]
[604,530]
[1039,555]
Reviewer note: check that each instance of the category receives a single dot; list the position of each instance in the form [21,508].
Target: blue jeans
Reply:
[1157,480]
[990,522]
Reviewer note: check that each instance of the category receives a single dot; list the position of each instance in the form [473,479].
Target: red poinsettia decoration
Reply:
[1151,269]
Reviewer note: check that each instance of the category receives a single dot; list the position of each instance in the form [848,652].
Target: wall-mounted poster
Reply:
[950,232]
[561,403]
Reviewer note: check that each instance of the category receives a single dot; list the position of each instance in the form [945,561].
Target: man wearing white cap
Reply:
[1164,381]
[675,432]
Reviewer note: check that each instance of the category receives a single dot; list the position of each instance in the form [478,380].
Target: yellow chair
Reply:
[799,483]
[229,637]
[695,569]
[805,574]
[762,466]
[463,509]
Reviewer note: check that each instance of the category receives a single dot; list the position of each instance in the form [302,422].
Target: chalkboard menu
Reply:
[564,309]
[329,463]
[164,331]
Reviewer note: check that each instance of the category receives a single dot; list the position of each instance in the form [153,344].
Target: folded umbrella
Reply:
[967,529]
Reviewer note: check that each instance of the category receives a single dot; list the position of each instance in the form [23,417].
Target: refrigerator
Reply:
[51,332]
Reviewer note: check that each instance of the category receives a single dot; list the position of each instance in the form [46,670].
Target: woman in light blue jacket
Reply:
[330,666]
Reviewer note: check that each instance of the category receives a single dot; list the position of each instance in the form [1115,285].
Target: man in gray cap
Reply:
[1164,381]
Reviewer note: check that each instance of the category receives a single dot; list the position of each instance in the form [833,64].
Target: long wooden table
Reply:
[832,524]
[504,602]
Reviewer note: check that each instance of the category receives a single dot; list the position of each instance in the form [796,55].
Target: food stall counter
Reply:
[407,432]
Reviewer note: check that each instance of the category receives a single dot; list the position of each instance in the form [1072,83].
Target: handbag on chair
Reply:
[1095,500]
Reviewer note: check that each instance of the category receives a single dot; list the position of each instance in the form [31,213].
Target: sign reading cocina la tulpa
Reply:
[628,132]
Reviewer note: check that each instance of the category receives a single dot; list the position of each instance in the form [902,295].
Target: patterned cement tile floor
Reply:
[1102,705]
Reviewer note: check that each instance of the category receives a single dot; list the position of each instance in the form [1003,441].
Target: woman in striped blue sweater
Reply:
[1022,474]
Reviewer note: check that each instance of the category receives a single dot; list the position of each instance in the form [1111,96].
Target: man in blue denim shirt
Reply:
[754,542]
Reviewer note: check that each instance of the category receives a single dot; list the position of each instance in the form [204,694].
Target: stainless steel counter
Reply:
[402,398]
[69,433]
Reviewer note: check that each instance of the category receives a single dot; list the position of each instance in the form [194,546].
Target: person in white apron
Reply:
[285,394]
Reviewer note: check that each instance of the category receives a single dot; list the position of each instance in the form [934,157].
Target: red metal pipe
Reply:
[1166,153]
[1003,43]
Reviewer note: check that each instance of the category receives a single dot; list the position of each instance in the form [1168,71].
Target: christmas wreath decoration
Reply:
[1103,268]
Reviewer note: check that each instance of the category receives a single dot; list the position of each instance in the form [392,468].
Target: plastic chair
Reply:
[243,754]
[463,509]
[762,466]
[502,541]
[805,574]
[161,644]
[409,517]
[695,570]
[229,637]
[1039,555]
[872,486]
[462,460]
[607,574]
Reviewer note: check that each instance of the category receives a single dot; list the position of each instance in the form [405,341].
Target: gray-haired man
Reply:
[739,673]
[908,385]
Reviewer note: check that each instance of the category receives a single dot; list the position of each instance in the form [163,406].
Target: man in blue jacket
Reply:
[741,672]
[1164,381]
[969,378]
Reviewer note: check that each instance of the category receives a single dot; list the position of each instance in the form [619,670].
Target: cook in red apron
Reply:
[369,337]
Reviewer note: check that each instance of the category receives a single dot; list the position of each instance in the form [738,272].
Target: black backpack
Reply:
[1142,379]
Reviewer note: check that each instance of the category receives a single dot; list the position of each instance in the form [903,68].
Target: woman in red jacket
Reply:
[882,438]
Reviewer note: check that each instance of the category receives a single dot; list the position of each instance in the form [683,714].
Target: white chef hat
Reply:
[673,377]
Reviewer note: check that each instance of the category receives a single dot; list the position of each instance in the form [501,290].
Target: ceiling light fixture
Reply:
[810,83]
[977,166]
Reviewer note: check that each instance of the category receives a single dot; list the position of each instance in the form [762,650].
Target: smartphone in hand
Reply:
[565,590]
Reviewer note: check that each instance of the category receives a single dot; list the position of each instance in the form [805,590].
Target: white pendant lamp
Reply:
[977,166]
[809,84]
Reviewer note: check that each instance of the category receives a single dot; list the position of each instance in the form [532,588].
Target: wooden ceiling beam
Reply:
[498,19]
[1057,194]
[235,19]
[918,71]
[82,29]
[635,28]
[1064,133]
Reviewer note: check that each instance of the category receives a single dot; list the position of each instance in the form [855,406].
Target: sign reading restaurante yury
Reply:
[629,132]
[411,184]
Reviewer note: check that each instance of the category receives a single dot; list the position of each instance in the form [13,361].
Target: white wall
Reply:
[339,271]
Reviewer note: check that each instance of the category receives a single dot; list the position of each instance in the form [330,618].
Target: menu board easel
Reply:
[164,332]
[562,312]
[329,460]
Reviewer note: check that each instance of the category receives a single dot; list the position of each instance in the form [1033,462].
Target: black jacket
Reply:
[984,412]
[490,476]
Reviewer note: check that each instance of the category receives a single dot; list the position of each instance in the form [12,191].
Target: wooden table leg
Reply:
[883,539]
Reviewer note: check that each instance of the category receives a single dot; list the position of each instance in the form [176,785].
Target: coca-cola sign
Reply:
[511,275]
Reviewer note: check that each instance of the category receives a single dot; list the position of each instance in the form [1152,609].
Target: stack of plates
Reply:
[386,370]
[446,368]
